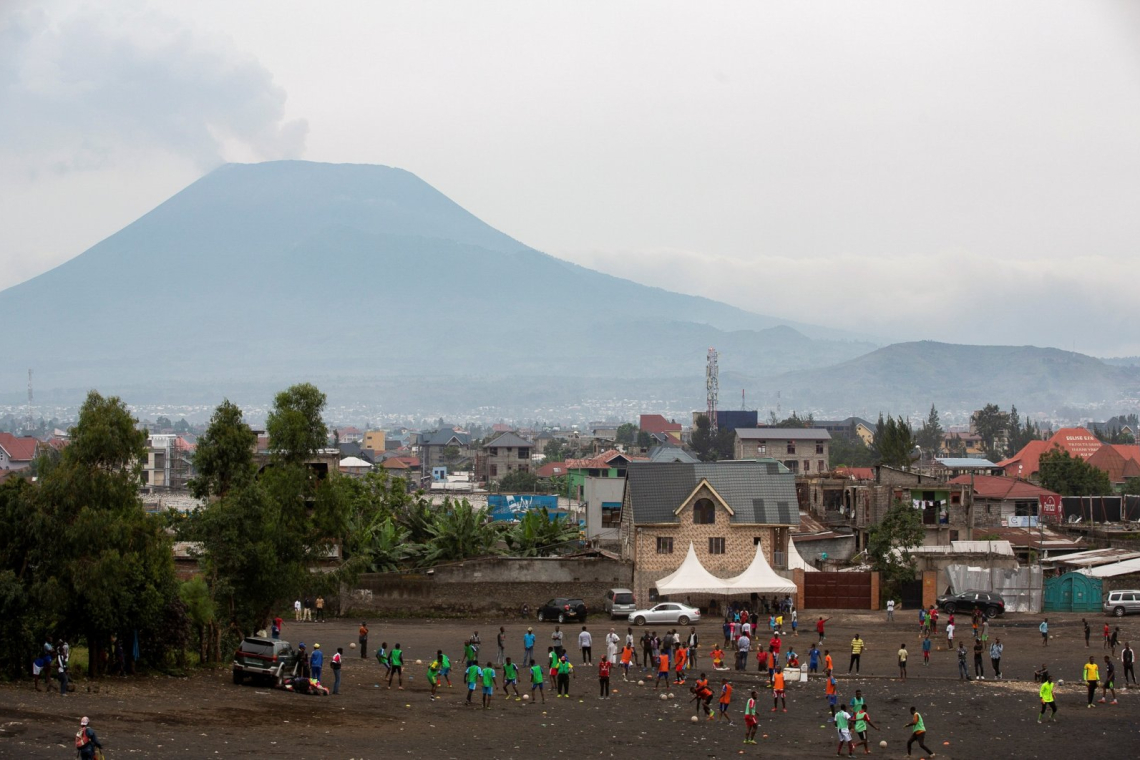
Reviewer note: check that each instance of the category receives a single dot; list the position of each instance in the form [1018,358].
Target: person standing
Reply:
[662,671]
[317,661]
[1047,700]
[433,671]
[445,666]
[500,646]
[297,611]
[565,669]
[320,609]
[556,640]
[1044,629]
[949,635]
[926,650]
[612,641]
[779,694]
[336,663]
[303,663]
[362,639]
[979,668]
[85,741]
[743,646]
[1128,657]
[471,675]
[604,677]
[693,642]
[536,681]
[1091,675]
[488,675]
[857,645]
[1088,631]
[843,727]
[918,732]
[995,656]
[813,659]
[1109,680]
[61,668]
[963,674]
[890,610]
[725,700]
[902,661]
[383,659]
[819,629]
[832,690]
[631,642]
[1114,642]
[750,721]
[1107,636]
[586,644]
[397,661]
[528,648]
[308,605]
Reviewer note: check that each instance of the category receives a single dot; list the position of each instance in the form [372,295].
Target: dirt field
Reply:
[208,716]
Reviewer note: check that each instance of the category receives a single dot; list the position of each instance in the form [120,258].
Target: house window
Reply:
[493,451]
[821,467]
[716,546]
[494,470]
[807,465]
[761,448]
[703,512]
[664,545]
[524,453]
[819,448]
[791,447]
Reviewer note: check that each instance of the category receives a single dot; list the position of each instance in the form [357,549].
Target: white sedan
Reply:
[666,612]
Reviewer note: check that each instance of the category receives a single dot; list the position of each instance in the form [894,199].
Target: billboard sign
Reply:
[509,506]
[1049,507]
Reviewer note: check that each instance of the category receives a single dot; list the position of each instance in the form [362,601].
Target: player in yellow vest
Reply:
[1046,693]
[1092,678]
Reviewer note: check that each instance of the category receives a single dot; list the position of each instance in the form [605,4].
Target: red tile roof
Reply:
[401,463]
[1128,451]
[855,473]
[655,423]
[19,449]
[1077,441]
[998,488]
[552,469]
[1111,461]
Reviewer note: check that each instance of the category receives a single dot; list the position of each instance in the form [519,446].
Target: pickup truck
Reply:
[264,658]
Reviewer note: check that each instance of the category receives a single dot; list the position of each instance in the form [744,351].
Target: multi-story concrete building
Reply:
[801,450]
[502,455]
[446,447]
[724,509]
[169,463]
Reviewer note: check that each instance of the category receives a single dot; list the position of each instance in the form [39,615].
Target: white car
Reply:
[666,612]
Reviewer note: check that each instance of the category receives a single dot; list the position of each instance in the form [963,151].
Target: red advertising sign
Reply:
[1050,507]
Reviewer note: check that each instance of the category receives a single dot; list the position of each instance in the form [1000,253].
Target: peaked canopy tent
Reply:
[760,578]
[796,560]
[692,578]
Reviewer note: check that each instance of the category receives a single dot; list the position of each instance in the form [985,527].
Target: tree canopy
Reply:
[1068,475]
[894,442]
[887,544]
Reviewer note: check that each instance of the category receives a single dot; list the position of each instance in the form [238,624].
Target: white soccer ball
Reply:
[883,744]
[641,683]
[526,697]
[671,695]
[665,696]
[1061,682]
[419,662]
[352,646]
[694,719]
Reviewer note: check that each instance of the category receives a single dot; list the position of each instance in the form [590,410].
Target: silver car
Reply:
[1120,603]
[666,612]
[619,602]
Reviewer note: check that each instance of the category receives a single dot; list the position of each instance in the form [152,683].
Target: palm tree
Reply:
[460,531]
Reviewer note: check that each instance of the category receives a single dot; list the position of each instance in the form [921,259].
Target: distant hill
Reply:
[363,278]
[912,375]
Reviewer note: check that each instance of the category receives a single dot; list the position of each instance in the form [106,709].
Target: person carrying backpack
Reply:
[86,743]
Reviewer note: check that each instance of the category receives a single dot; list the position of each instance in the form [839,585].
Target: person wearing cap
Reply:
[528,647]
[317,661]
[85,740]
[303,661]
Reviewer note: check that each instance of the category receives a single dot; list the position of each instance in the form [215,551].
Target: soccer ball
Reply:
[419,662]
[526,697]
[694,719]
[1061,682]
[665,696]
[883,744]
[641,683]
[671,695]
[352,646]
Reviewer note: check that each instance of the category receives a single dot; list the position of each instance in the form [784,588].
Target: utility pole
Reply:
[29,421]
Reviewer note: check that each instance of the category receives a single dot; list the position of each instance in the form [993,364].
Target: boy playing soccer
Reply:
[536,682]
[488,684]
[778,690]
[511,679]
[473,673]
[750,721]
[725,699]
[433,676]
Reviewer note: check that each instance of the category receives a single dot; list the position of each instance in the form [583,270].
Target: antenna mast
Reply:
[712,387]
[29,422]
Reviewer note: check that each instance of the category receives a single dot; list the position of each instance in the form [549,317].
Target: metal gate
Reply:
[1072,592]
[910,594]
[837,591]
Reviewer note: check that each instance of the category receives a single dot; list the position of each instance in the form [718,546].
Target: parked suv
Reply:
[1120,603]
[563,609]
[620,602]
[265,658]
[990,603]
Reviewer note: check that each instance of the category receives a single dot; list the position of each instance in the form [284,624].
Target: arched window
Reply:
[703,512]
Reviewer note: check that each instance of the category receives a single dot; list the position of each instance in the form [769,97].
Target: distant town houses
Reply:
[447,447]
[801,450]
[1119,461]
[17,453]
[505,453]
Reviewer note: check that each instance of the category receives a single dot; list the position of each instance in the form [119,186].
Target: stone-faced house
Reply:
[723,508]
[503,455]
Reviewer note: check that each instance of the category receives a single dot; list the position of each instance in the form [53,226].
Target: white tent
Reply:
[797,562]
[692,578]
[760,578]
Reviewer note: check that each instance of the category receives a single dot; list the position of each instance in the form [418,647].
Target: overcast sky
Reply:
[958,171]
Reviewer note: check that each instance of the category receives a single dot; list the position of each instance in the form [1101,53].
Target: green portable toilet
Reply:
[1072,592]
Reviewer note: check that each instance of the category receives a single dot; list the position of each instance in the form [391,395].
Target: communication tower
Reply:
[712,387]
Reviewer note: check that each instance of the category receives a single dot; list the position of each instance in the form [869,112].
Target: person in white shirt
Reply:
[949,635]
[746,629]
[585,643]
[612,640]
[743,645]
[297,610]
[890,610]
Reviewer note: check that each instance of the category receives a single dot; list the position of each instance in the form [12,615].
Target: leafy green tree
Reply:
[701,440]
[894,442]
[644,440]
[538,534]
[555,451]
[224,456]
[626,433]
[888,543]
[386,546]
[519,481]
[460,531]
[725,444]
[850,452]
[794,421]
[296,430]
[182,426]
[929,436]
[991,423]
[451,455]
[1132,487]
[195,595]
[1068,475]
[163,423]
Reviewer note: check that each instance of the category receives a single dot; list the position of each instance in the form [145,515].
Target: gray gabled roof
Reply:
[759,491]
[509,441]
[783,434]
[444,437]
[671,454]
